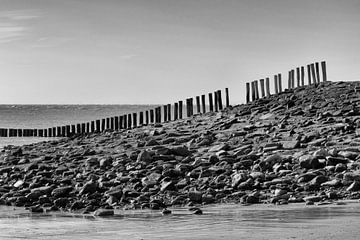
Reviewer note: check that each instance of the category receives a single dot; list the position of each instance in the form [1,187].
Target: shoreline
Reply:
[291,147]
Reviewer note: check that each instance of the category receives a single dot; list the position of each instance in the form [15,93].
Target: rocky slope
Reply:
[299,146]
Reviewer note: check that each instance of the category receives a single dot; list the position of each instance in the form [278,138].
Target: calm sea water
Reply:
[45,116]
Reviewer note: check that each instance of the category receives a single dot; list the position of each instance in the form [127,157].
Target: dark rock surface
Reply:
[299,146]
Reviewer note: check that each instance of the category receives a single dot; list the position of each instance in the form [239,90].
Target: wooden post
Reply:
[125,121]
[68,133]
[198,107]
[203,103]
[262,88]
[293,78]
[302,76]
[313,73]
[211,107]
[256,89]
[83,128]
[73,130]
[227,97]
[107,123]
[276,84]
[121,122]
[6,132]
[103,124]
[147,117]
[151,116]
[267,83]
[180,109]
[92,126]
[323,68]
[50,132]
[165,113]
[176,111]
[187,107]
[134,120]
[141,118]
[157,115]
[54,131]
[33,132]
[191,106]
[78,128]
[45,132]
[253,96]
[289,80]
[112,123]
[58,131]
[317,72]
[88,127]
[216,101]
[247,92]
[309,74]
[298,76]
[169,112]
[220,103]
[279,82]
[40,131]
[129,121]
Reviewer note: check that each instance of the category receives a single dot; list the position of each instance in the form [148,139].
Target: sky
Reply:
[163,51]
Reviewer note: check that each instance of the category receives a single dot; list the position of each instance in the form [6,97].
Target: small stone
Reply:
[104,212]
[144,156]
[166,211]
[355,186]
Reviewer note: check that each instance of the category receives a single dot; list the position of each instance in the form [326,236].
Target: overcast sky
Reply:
[161,51]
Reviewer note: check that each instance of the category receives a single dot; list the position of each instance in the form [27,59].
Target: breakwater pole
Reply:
[316,72]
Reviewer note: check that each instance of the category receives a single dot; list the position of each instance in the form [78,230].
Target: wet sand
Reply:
[229,221]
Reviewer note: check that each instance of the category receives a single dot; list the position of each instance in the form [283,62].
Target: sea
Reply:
[234,221]
[46,116]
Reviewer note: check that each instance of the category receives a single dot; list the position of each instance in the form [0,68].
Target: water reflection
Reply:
[225,221]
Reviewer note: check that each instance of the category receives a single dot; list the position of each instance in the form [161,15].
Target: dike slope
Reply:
[302,145]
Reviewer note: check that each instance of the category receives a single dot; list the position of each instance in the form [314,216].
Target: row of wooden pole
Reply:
[313,70]
[127,121]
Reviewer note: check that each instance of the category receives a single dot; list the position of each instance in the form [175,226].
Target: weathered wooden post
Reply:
[121,122]
[112,123]
[293,78]
[129,121]
[103,124]
[107,123]
[227,97]
[63,131]
[220,99]
[187,107]
[256,89]
[83,127]
[262,87]
[216,101]
[58,131]
[165,113]
[158,115]
[276,84]
[191,106]
[211,106]
[180,109]
[40,131]
[317,72]
[92,126]
[78,128]
[169,112]
[203,103]
[147,117]
[45,132]
[88,127]
[323,68]
[253,95]
[98,125]
[302,76]
[151,116]
[68,133]
[33,132]
[134,120]
[116,122]
[198,108]
[176,111]
[298,76]
[313,73]
[50,132]
[73,130]
[267,83]
[141,118]
[309,74]
[125,121]
[289,80]
[279,82]
[247,92]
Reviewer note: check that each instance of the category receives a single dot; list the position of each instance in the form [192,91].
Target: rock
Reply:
[61,202]
[237,178]
[219,147]
[104,212]
[144,156]
[340,167]
[61,191]
[152,142]
[290,144]
[105,162]
[89,187]
[355,186]
[115,191]
[180,151]
[166,211]
[92,161]
[309,162]
[195,196]
[331,183]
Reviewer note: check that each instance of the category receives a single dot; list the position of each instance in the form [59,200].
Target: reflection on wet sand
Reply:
[224,221]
